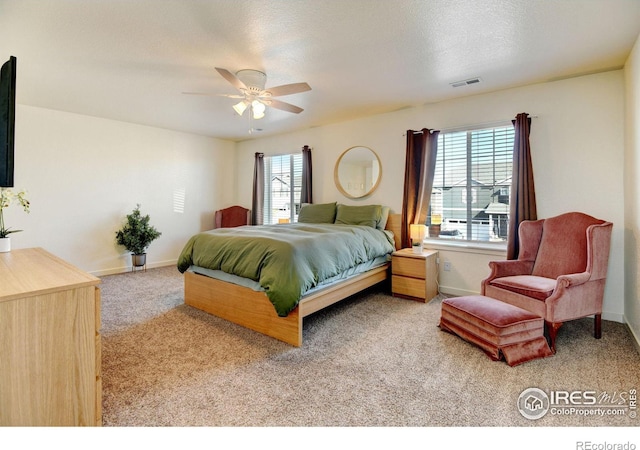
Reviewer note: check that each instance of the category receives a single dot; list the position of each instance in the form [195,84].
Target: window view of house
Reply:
[472,183]
[283,185]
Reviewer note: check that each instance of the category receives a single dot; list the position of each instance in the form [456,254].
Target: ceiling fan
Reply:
[251,84]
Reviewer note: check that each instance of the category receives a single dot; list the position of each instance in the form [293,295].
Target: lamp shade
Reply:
[240,107]
[258,109]
[418,232]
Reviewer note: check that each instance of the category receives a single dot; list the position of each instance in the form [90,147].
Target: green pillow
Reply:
[384,218]
[319,213]
[368,215]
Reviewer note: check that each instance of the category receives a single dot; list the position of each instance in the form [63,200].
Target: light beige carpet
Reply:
[372,360]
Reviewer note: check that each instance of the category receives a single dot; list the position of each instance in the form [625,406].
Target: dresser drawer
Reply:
[409,267]
[98,368]
[99,401]
[98,310]
[411,287]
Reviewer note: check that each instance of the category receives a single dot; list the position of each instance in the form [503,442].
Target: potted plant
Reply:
[136,235]
[6,197]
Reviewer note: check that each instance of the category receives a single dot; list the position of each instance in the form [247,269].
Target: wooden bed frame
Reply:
[253,310]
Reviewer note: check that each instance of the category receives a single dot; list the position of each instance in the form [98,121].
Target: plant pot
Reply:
[5,245]
[139,260]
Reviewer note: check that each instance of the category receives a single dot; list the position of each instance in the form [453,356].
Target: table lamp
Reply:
[418,233]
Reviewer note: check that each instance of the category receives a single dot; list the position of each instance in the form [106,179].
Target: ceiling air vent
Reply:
[465,82]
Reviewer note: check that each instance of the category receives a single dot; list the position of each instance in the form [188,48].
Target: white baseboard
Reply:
[614,317]
[124,269]
[636,338]
[448,290]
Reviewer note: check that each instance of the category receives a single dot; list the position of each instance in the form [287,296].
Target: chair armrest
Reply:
[509,268]
[573,279]
[506,268]
[576,295]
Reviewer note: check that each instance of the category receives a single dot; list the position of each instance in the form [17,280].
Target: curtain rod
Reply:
[494,123]
[285,154]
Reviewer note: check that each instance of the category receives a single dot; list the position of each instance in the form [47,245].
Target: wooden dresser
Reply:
[50,359]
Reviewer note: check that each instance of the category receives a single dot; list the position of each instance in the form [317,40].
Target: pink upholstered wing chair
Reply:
[560,272]
[233,216]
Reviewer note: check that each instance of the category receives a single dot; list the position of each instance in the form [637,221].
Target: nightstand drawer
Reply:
[409,267]
[412,287]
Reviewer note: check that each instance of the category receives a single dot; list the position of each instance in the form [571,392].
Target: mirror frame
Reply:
[336,175]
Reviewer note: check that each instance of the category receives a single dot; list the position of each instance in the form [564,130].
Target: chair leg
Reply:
[597,329]
[552,331]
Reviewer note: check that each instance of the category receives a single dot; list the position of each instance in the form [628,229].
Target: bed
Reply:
[248,297]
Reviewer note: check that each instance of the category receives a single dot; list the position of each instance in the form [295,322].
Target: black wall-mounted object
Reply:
[7,121]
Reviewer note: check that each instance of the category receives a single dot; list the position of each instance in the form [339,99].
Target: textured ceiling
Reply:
[132,60]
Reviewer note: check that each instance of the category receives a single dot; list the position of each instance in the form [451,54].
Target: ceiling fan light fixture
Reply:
[251,84]
[240,107]
[258,109]
[254,80]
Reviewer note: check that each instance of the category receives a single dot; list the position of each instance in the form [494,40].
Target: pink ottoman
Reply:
[499,328]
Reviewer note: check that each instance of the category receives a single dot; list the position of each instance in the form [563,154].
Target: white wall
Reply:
[84,174]
[632,191]
[577,142]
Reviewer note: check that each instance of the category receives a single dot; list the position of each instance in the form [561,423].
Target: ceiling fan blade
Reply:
[215,95]
[231,78]
[284,106]
[288,89]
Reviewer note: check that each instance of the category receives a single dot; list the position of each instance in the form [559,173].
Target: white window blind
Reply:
[283,184]
[472,183]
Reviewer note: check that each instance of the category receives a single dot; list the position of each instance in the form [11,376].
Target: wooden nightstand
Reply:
[413,275]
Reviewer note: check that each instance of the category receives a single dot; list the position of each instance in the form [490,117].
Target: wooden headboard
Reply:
[394,224]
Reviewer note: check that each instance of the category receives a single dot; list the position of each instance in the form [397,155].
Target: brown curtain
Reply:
[306,195]
[522,202]
[257,203]
[420,165]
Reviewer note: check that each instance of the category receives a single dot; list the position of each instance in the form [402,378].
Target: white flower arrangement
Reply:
[7,196]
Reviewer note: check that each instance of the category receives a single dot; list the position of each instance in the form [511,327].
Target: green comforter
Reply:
[285,259]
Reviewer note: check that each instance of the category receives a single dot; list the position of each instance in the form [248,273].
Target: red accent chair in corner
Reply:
[233,216]
[560,272]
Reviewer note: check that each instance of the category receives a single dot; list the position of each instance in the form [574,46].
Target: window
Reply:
[283,184]
[472,184]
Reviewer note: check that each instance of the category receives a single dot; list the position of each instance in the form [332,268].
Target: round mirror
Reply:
[358,172]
